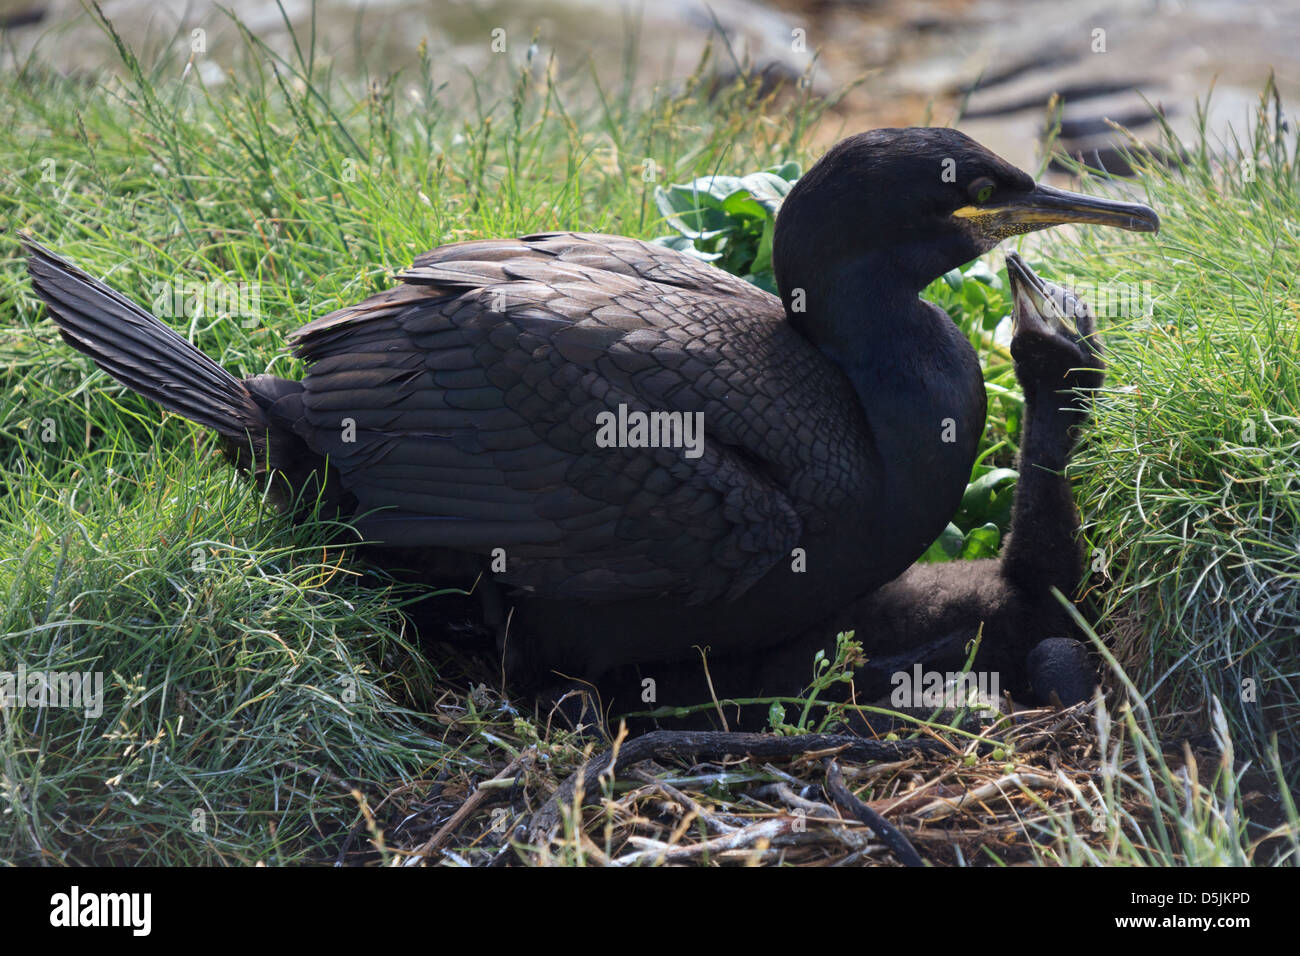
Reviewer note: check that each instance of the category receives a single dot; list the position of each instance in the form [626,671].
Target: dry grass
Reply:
[1030,789]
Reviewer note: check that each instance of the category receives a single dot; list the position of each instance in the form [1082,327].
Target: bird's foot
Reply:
[1061,668]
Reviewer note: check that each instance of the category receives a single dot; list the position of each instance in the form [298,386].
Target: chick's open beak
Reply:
[1032,303]
[1045,206]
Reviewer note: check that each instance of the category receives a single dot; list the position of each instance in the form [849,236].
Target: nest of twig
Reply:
[936,797]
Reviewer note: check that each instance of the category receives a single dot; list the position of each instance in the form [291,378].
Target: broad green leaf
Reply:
[981,542]
[975,295]
[741,203]
[716,188]
[776,715]
[980,503]
[767,189]
[763,258]
[947,547]
[687,245]
[675,199]
[788,171]
[980,272]
[700,223]
[994,312]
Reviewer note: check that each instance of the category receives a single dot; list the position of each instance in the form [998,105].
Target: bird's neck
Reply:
[1049,416]
[872,324]
[919,386]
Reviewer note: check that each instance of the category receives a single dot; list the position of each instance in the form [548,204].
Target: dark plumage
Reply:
[931,612]
[1058,363]
[459,410]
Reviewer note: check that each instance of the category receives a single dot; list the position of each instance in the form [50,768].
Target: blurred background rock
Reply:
[989,65]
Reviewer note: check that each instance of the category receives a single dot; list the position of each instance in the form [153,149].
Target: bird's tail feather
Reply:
[139,351]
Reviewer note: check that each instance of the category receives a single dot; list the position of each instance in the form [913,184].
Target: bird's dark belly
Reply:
[826,572]
[855,549]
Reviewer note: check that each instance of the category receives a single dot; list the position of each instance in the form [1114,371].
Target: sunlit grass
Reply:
[1189,483]
[260,701]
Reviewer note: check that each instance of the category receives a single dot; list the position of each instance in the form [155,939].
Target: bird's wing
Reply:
[464,403]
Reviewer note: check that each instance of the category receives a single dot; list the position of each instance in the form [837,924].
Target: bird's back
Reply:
[467,408]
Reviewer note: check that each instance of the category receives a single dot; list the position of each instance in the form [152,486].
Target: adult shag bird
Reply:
[928,616]
[458,415]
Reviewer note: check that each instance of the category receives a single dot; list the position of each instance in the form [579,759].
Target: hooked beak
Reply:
[1032,304]
[1045,206]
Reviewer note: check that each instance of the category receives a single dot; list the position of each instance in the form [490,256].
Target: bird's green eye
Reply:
[984,193]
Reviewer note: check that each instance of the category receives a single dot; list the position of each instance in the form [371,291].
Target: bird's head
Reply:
[1054,338]
[911,204]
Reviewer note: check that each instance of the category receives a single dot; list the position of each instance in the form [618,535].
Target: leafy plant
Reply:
[826,674]
[974,295]
[728,220]
[984,516]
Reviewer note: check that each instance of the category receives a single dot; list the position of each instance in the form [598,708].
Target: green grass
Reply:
[262,703]
[237,667]
[1143,808]
[1188,482]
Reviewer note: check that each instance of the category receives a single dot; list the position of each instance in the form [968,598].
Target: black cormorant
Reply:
[930,613]
[463,412]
